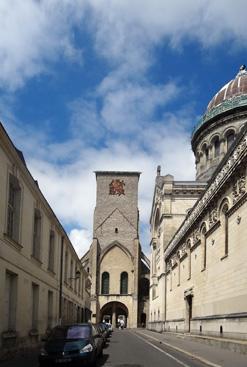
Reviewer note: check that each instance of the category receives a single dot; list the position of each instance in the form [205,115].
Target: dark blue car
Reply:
[78,344]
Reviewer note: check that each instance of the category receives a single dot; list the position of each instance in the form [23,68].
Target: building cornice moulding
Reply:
[235,157]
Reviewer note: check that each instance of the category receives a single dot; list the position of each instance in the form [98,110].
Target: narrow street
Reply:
[128,349]
[141,348]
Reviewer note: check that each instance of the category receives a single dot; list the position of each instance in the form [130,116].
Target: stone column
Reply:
[114,324]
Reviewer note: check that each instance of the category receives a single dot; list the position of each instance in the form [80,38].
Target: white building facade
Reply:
[42,281]
[198,272]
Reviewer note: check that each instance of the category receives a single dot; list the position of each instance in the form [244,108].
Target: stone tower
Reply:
[114,259]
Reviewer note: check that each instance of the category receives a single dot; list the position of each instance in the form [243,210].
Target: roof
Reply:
[117,173]
[232,96]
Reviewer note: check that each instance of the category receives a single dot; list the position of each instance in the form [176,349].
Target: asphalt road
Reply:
[125,349]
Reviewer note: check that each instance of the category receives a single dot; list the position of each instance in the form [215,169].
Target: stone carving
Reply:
[212,217]
[239,187]
[214,187]
[116,187]
[241,184]
[196,236]
[184,249]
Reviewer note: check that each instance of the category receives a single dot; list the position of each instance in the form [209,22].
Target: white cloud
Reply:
[34,34]
[127,108]
[81,240]
[127,30]
[70,186]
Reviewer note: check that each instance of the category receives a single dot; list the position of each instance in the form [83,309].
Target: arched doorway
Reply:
[113,311]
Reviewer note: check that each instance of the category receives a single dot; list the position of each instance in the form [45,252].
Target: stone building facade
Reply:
[198,272]
[42,280]
[117,267]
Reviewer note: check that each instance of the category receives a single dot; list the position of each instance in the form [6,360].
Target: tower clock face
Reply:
[116,187]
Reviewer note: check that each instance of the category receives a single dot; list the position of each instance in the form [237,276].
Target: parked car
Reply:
[109,325]
[104,332]
[73,344]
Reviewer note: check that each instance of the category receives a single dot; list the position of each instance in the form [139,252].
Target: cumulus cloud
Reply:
[116,126]
[127,31]
[81,239]
[70,186]
[35,34]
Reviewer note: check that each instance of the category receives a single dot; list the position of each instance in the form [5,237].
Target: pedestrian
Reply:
[122,324]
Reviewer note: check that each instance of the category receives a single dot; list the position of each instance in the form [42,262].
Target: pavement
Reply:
[205,349]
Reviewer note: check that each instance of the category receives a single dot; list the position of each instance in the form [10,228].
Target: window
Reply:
[51,251]
[50,309]
[216,147]
[82,287]
[188,247]
[204,247]
[37,234]
[66,267]
[124,283]
[35,306]
[105,280]
[10,301]
[224,223]
[230,139]
[14,203]
[71,272]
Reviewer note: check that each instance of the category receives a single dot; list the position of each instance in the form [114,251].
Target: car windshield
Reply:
[71,332]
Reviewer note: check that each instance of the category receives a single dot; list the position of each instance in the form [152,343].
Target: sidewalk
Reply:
[205,349]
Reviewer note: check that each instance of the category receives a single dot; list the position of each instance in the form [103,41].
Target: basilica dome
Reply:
[225,115]
[233,89]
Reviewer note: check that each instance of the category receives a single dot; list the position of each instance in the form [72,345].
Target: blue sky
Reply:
[111,85]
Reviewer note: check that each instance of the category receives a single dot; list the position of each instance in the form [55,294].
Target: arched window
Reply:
[224,223]
[230,139]
[205,153]
[124,283]
[105,281]
[204,247]
[216,147]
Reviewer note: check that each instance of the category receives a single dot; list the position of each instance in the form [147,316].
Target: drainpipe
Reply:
[61,283]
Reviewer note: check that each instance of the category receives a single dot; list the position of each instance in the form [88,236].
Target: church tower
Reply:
[115,254]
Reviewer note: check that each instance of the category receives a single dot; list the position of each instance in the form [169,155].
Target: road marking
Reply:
[162,351]
[203,360]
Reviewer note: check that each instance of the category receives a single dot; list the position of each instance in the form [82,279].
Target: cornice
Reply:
[227,105]
[209,126]
[226,169]
[10,150]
